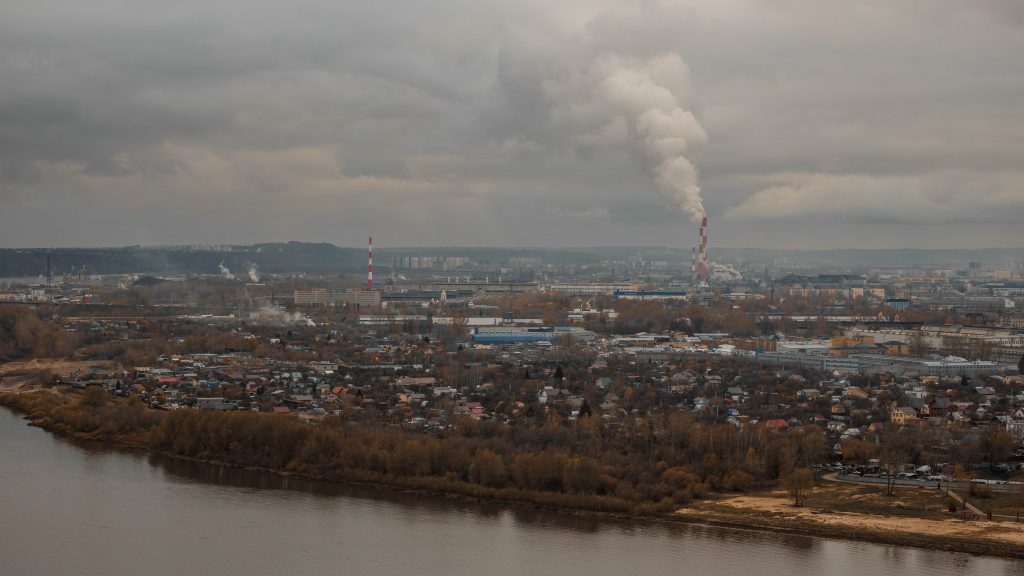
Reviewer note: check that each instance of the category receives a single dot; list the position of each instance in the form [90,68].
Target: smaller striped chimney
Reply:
[369,271]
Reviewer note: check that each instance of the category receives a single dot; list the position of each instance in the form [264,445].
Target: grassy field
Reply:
[871,499]
[847,498]
[1004,505]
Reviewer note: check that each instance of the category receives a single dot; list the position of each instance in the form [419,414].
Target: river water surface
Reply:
[73,509]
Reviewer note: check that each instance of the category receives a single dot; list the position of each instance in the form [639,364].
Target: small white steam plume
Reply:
[224,271]
[617,100]
[273,316]
[254,272]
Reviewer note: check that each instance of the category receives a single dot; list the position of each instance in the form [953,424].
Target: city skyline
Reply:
[811,124]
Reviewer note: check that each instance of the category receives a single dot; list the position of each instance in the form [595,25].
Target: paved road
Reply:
[955,484]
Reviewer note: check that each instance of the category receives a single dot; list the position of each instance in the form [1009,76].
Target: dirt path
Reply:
[963,502]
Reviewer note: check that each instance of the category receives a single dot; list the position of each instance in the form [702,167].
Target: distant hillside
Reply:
[323,258]
[825,258]
[501,255]
[894,257]
[272,258]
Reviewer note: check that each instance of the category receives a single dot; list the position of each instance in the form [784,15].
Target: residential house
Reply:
[903,415]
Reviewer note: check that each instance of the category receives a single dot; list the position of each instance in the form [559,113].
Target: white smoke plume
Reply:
[225,272]
[726,272]
[254,272]
[273,316]
[617,101]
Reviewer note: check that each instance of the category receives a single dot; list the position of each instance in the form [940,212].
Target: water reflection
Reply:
[183,470]
[83,508]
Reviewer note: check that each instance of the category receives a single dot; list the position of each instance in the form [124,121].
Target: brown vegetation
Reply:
[798,483]
[23,333]
[580,467]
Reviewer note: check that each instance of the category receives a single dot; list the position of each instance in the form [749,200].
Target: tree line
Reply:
[24,334]
[649,464]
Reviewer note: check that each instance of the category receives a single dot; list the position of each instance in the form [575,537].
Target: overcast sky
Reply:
[804,123]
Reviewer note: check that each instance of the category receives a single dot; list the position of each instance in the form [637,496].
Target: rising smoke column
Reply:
[224,271]
[620,101]
[254,272]
[274,316]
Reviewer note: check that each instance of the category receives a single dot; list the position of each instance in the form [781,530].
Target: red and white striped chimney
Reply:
[369,271]
[704,248]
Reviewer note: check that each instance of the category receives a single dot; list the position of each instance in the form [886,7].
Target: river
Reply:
[71,508]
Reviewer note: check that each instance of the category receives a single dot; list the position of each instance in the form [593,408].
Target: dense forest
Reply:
[23,333]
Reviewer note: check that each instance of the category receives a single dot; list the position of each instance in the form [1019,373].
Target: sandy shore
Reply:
[775,511]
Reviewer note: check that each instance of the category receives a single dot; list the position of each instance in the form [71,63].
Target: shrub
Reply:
[738,481]
[980,490]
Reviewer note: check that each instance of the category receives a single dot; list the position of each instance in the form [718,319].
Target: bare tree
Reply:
[997,444]
[891,456]
[798,483]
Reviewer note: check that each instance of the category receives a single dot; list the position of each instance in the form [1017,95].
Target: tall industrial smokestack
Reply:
[693,262]
[369,271]
[704,248]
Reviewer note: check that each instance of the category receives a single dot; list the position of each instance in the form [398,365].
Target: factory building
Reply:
[815,361]
[589,289]
[527,335]
[878,364]
[429,262]
[897,304]
[426,296]
[352,298]
[949,366]
[467,321]
[477,287]
[650,294]
[810,348]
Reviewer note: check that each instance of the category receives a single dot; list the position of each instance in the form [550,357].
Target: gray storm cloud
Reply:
[617,100]
[529,123]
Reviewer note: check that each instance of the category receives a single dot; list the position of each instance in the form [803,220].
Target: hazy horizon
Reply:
[378,247]
[796,125]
